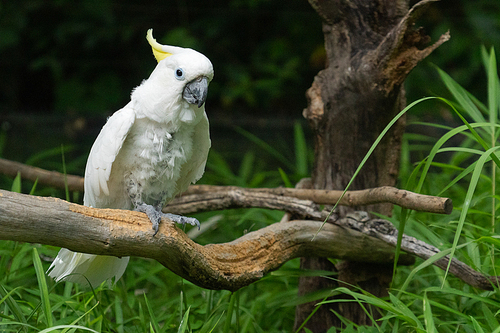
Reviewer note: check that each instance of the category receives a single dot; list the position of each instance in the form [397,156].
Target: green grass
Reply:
[461,164]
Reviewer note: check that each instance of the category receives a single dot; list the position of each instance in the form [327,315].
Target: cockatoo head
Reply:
[178,86]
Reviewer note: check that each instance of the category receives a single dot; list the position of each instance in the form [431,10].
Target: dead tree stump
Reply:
[371,46]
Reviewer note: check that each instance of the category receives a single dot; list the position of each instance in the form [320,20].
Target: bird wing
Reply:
[194,168]
[103,153]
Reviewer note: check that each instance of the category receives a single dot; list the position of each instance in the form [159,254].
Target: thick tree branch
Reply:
[215,266]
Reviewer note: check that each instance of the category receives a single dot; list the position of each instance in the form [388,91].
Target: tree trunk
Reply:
[371,47]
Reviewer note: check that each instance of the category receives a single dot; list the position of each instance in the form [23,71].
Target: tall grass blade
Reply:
[184,322]
[490,317]
[16,184]
[152,316]
[209,322]
[480,299]
[493,106]
[47,154]
[405,214]
[229,314]
[58,327]
[119,315]
[247,167]
[468,198]
[316,308]
[476,325]
[462,97]
[425,264]
[66,189]
[13,306]
[285,178]
[301,160]
[42,284]
[71,326]
[33,188]
[264,146]
[405,312]
[490,65]
[428,317]
[44,291]
[437,146]
[478,138]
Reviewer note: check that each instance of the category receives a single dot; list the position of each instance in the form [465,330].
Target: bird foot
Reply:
[155,216]
[182,219]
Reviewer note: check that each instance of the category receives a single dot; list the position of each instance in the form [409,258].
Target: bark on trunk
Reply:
[371,47]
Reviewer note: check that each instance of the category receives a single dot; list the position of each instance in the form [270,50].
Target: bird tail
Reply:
[84,268]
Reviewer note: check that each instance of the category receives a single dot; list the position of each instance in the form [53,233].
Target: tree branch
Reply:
[207,197]
[404,47]
[215,266]
[49,178]
[234,196]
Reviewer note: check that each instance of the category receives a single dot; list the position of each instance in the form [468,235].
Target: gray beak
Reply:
[195,92]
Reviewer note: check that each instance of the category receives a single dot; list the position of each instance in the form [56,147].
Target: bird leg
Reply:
[155,215]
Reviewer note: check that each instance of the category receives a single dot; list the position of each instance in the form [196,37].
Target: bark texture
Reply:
[229,266]
[371,47]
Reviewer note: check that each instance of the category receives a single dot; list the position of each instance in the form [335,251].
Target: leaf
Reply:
[153,321]
[406,312]
[119,315]
[301,160]
[437,146]
[184,322]
[229,314]
[12,304]
[467,201]
[55,328]
[16,183]
[42,285]
[489,240]
[476,325]
[264,146]
[490,317]
[426,263]
[285,178]
[428,318]
[462,96]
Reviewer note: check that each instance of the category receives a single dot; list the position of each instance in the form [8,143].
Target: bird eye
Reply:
[179,74]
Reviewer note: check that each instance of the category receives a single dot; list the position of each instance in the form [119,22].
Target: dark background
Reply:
[67,65]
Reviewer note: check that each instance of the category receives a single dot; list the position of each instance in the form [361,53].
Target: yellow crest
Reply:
[158,49]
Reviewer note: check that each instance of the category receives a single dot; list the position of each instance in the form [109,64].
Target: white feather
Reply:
[149,151]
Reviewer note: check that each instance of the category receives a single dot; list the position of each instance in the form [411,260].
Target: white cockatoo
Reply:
[146,153]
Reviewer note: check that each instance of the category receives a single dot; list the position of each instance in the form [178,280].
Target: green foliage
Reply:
[55,63]
[422,298]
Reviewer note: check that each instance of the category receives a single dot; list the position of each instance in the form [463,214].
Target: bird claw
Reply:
[183,219]
[155,217]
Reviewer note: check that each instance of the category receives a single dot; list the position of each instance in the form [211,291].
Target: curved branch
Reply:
[215,266]
[208,197]
[383,194]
